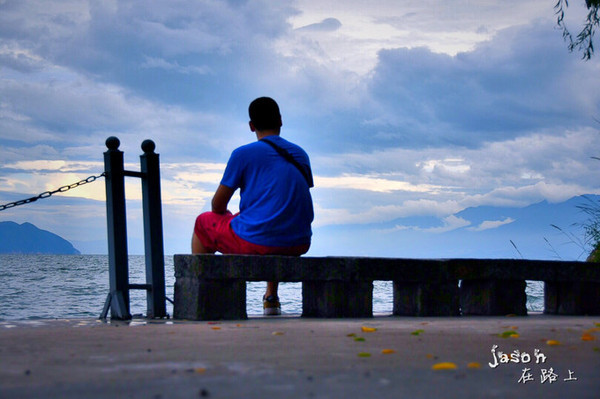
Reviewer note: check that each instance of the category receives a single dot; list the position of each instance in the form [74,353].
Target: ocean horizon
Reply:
[76,286]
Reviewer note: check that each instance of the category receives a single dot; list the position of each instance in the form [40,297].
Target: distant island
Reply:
[28,239]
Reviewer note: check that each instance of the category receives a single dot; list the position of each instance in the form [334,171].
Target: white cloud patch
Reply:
[370,183]
[54,165]
[174,66]
[491,224]
[326,25]
[449,223]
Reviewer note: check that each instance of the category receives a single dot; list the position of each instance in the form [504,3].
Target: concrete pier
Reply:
[292,357]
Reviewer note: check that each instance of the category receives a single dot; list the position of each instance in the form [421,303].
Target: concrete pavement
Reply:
[292,357]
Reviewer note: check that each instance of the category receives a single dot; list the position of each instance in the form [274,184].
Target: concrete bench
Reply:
[212,287]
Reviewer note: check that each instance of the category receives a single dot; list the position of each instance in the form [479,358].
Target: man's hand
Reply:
[221,199]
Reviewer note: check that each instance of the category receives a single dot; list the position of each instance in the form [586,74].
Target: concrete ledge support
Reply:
[199,299]
[571,298]
[426,299]
[493,297]
[209,287]
[333,299]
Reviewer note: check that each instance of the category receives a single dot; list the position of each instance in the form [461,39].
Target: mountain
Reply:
[28,239]
[539,231]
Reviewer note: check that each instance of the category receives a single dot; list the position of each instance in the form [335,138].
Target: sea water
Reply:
[76,286]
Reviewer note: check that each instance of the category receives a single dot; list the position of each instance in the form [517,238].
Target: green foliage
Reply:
[592,228]
[584,40]
[590,242]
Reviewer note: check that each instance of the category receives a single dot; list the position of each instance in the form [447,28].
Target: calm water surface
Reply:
[76,286]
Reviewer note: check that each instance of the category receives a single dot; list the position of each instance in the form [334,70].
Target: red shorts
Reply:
[216,235]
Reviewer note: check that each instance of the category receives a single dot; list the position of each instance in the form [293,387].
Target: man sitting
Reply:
[276,210]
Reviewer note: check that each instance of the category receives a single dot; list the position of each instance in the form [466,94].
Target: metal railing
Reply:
[118,297]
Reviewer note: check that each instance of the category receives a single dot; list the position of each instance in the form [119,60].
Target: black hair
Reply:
[264,114]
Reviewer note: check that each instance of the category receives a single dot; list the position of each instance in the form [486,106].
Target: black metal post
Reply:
[118,298]
[153,231]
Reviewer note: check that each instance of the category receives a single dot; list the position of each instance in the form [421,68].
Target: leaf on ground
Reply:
[277,333]
[509,334]
[588,337]
[417,332]
[351,335]
[388,351]
[359,339]
[474,365]
[215,328]
[199,370]
[368,329]
[364,354]
[444,366]
[552,342]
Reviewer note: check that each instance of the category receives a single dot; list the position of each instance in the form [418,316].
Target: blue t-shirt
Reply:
[276,206]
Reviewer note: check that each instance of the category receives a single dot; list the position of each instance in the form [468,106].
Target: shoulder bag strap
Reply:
[291,160]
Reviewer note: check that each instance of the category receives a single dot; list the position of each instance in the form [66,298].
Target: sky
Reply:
[407,109]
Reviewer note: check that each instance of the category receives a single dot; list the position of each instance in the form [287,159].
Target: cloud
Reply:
[20,59]
[449,223]
[53,165]
[510,86]
[371,183]
[326,25]
[491,224]
[418,110]
[174,66]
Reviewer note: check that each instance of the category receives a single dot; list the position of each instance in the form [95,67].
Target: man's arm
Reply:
[221,199]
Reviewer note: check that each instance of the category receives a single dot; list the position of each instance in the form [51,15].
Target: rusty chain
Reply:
[47,194]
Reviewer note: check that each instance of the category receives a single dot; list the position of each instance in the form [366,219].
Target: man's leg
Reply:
[209,229]
[271,305]
[197,247]
[271,289]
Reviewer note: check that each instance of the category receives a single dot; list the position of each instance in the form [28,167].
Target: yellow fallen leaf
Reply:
[474,365]
[388,351]
[364,354]
[587,337]
[444,366]
[514,336]
[215,328]
[368,329]
[509,334]
[552,342]
[277,333]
